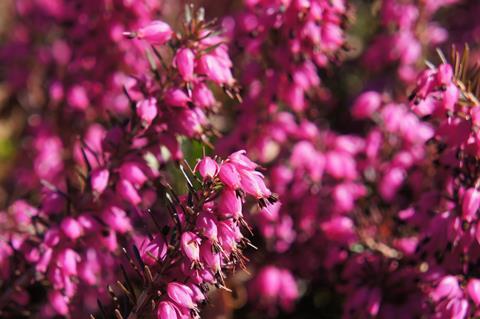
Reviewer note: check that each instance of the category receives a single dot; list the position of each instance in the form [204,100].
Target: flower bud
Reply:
[176,97]
[391,182]
[339,229]
[156,32]
[207,167]
[166,310]
[71,228]
[190,246]
[450,97]
[206,226]
[153,250]
[147,111]
[77,98]
[229,175]
[470,204]
[366,104]
[181,295]
[202,96]
[128,192]
[373,303]
[229,205]
[99,180]
[340,165]
[447,288]
[294,96]
[226,237]
[240,160]
[117,219]
[252,183]
[473,290]
[132,172]
[185,62]
[215,70]
[444,74]
[58,302]
[67,260]
[210,258]
[197,294]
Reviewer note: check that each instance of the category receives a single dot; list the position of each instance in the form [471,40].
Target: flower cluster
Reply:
[56,53]
[450,235]
[283,43]
[88,188]
[379,191]
[409,29]
[348,200]
[205,237]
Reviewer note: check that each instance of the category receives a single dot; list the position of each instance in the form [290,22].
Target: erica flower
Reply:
[156,32]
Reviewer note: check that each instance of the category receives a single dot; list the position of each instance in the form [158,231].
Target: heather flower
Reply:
[207,167]
[185,63]
[366,104]
[191,246]
[166,310]
[176,97]
[156,32]
[181,295]
[229,204]
[470,203]
[147,111]
[473,290]
[229,175]
[99,180]
[379,200]
[71,228]
[275,285]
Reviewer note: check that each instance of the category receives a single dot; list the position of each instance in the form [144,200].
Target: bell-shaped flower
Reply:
[156,32]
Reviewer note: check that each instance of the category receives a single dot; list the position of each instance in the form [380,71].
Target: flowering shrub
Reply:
[250,159]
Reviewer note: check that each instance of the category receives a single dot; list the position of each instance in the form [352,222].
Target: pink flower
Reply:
[207,226]
[181,295]
[128,192]
[207,167]
[185,62]
[447,288]
[117,219]
[191,246]
[444,74]
[473,290]
[209,257]
[153,250]
[215,70]
[99,180]
[59,302]
[240,159]
[133,172]
[470,204]
[166,310]
[229,204]
[229,175]
[78,98]
[202,96]
[366,104]
[339,229]
[147,111]
[156,32]
[252,183]
[274,285]
[71,228]
[176,97]
[68,260]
